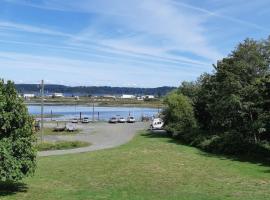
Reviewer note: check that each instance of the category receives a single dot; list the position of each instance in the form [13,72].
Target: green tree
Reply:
[236,103]
[17,138]
[231,106]
[178,115]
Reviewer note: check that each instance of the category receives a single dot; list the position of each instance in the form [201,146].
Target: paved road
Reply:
[100,135]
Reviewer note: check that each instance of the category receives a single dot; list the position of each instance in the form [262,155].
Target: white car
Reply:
[122,120]
[113,120]
[131,120]
[85,120]
[157,124]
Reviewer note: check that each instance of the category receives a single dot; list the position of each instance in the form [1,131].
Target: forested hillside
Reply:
[94,90]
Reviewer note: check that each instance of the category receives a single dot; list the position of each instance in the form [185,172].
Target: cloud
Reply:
[6,25]
[155,24]
[222,16]
[148,38]
[81,72]
[148,20]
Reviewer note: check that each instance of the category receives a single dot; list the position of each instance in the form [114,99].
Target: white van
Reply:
[157,124]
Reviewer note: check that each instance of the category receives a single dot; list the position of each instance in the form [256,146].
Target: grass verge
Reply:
[150,167]
[45,146]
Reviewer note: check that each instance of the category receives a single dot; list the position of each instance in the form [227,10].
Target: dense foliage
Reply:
[232,105]
[17,153]
[179,115]
[93,90]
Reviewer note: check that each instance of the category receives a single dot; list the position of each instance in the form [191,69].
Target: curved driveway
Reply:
[100,135]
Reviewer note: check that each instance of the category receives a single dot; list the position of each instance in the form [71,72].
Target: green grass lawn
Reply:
[147,168]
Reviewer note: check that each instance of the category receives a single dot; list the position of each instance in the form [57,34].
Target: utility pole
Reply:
[93,112]
[42,111]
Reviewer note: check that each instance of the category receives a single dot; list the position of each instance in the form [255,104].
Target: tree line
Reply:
[227,111]
[93,90]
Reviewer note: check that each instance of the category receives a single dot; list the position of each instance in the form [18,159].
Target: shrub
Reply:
[178,115]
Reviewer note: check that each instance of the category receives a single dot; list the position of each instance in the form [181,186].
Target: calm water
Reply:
[104,113]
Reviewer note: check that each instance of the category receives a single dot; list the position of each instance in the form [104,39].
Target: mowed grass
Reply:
[147,168]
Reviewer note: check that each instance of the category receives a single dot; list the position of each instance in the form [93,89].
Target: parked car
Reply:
[157,124]
[122,120]
[85,120]
[75,121]
[131,120]
[113,120]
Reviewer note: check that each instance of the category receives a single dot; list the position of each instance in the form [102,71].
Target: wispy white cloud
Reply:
[88,72]
[7,25]
[224,16]
[152,22]
[158,20]
[141,38]
[119,48]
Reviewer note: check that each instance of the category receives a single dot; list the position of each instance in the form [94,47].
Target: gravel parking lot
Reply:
[101,135]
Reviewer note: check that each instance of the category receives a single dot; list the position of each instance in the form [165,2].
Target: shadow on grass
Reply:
[156,134]
[261,160]
[260,157]
[10,188]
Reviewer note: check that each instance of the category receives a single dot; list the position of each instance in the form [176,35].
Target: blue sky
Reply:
[137,43]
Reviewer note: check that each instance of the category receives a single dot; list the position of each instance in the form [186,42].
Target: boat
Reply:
[59,128]
[70,128]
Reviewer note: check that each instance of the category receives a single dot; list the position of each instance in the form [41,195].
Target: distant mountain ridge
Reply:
[93,90]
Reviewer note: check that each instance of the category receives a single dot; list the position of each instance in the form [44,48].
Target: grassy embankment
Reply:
[150,167]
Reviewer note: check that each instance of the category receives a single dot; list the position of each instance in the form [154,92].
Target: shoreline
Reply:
[96,104]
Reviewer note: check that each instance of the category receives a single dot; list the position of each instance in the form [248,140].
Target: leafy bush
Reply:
[178,115]
[17,152]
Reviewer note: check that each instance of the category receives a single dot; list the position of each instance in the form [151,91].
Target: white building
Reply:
[28,96]
[127,96]
[58,95]
[140,98]
[149,97]
[109,96]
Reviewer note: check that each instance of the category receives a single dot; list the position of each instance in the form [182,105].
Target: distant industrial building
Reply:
[58,95]
[145,97]
[28,96]
[127,96]
[109,96]
[149,97]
